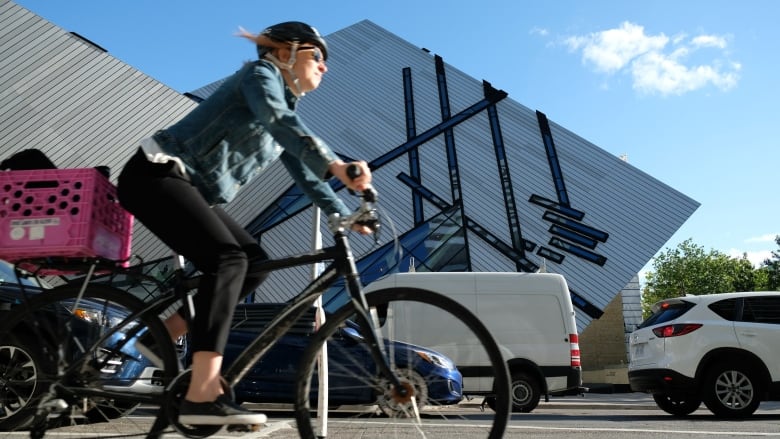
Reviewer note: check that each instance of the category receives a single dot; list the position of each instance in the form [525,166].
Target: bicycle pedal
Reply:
[244,428]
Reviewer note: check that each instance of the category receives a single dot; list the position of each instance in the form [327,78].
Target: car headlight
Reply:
[436,360]
[88,315]
[101,318]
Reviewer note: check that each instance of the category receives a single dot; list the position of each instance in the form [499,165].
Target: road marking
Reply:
[270,428]
[648,430]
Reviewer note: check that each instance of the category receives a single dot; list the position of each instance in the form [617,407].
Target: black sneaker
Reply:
[223,411]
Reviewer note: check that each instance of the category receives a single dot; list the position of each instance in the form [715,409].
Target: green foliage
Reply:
[688,269]
[771,268]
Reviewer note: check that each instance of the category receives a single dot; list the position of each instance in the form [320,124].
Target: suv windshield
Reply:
[665,311]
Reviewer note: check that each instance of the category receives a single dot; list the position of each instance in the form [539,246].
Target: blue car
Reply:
[273,378]
[270,380]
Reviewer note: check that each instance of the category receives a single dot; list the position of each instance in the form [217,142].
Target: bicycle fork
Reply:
[369,320]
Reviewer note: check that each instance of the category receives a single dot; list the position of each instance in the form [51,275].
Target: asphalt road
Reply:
[601,416]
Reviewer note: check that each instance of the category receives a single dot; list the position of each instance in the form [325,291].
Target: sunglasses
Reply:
[316,55]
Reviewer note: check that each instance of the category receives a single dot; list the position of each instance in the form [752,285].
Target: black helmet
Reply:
[294,32]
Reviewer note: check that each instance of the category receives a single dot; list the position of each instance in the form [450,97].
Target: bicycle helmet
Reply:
[293,33]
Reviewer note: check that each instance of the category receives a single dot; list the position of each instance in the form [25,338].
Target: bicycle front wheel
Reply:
[69,359]
[445,358]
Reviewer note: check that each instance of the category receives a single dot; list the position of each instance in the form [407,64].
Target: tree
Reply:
[771,268]
[688,269]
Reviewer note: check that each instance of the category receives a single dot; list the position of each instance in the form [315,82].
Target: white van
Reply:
[529,314]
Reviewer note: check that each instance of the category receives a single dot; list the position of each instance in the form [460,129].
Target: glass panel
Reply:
[762,310]
[436,245]
[725,308]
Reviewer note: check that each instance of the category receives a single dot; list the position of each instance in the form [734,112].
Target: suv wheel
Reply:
[730,390]
[21,371]
[677,405]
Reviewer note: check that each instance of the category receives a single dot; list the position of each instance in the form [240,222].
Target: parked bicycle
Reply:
[83,334]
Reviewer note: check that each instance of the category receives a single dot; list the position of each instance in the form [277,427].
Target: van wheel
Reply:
[677,405]
[731,390]
[525,393]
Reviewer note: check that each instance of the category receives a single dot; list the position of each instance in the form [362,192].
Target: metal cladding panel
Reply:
[634,213]
[79,105]
[637,211]
[288,238]
[575,209]
[70,99]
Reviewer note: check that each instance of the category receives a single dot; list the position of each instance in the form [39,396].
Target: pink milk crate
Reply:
[61,213]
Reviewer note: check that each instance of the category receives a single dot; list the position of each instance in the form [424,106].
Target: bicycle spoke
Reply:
[432,385]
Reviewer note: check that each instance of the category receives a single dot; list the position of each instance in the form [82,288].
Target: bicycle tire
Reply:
[97,383]
[402,311]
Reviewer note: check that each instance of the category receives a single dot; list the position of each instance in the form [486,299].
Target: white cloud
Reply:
[658,73]
[539,31]
[612,49]
[657,64]
[709,41]
[755,257]
[769,237]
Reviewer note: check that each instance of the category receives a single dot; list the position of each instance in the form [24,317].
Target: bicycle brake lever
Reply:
[376,232]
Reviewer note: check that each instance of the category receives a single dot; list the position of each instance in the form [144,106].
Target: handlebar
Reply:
[353,172]
[365,215]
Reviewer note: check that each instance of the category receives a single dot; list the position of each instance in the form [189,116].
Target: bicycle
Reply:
[84,333]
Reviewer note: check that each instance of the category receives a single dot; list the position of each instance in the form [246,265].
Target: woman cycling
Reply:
[178,177]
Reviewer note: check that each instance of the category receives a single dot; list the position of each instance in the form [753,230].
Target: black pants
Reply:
[167,203]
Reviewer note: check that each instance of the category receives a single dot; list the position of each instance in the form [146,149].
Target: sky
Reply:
[684,89]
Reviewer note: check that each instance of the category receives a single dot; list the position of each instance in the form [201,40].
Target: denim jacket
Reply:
[237,132]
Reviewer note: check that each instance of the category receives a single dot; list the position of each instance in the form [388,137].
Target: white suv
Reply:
[720,349]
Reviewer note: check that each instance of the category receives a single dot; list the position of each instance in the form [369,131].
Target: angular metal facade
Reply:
[471,179]
[69,98]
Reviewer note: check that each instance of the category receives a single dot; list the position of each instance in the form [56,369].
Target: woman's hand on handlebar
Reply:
[363,230]
[357,177]
[360,183]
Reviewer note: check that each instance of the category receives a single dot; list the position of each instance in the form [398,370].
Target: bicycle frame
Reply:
[343,265]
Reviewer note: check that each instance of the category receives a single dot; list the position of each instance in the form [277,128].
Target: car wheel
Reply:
[677,405]
[525,393]
[21,372]
[730,390]
[390,407]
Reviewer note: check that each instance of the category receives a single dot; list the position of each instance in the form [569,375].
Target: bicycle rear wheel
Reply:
[68,361]
[440,402]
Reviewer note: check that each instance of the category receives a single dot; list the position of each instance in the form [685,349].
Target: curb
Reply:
[584,405]
[596,406]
